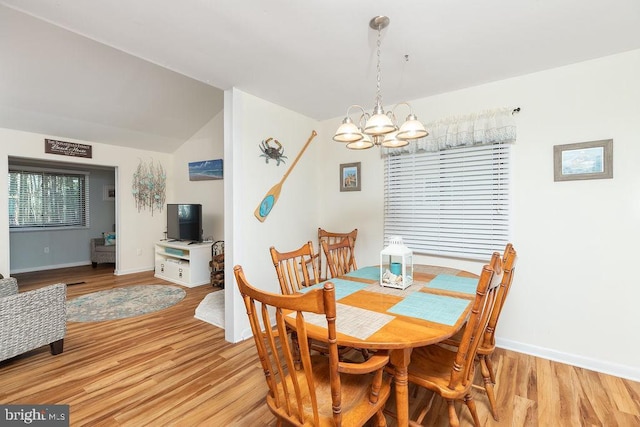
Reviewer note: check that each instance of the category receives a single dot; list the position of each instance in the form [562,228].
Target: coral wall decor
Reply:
[148,186]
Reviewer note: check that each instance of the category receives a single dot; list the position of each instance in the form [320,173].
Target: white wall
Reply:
[206,144]
[574,296]
[136,231]
[293,219]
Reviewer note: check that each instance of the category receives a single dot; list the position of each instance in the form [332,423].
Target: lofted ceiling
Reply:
[150,73]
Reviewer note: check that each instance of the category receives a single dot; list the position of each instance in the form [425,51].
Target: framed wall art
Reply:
[584,160]
[205,170]
[350,179]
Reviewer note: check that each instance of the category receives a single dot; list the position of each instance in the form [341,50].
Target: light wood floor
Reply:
[168,368]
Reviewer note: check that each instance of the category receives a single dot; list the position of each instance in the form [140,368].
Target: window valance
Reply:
[488,127]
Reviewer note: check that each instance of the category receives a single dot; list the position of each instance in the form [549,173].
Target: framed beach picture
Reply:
[350,177]
[584,160]
[205,170]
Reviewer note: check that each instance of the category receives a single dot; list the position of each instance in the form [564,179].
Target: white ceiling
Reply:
[314,57]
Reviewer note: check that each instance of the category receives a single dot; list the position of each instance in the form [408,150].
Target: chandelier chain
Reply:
[378,72]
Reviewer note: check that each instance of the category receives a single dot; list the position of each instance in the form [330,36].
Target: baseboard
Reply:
[49,267]
[622,371]
[116,272]
[119,272]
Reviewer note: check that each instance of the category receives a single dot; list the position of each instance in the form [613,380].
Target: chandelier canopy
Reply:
[378,127]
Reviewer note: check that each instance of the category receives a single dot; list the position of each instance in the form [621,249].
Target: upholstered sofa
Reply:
[29,320]
[101,253]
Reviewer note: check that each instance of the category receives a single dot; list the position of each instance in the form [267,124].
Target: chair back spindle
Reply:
[295,269]
[332,237]
[340,257]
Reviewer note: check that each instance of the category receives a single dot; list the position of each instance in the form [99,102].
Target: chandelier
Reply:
[378,127]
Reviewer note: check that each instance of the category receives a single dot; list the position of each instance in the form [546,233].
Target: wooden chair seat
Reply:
[430,368]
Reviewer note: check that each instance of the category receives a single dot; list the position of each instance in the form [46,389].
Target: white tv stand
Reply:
[183,263]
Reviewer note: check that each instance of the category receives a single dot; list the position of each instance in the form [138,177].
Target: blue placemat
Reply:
[342,287]
[372,273]
[449,282]
[434,308]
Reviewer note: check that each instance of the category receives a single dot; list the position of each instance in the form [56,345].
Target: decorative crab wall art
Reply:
[268,152]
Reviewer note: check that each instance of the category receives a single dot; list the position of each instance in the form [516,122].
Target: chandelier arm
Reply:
[356,106]
[364,116]
[403,103]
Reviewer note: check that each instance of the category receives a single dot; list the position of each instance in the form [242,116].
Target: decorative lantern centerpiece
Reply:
[396,264]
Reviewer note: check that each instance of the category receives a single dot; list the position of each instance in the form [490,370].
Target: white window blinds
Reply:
[48,199]
[453,202]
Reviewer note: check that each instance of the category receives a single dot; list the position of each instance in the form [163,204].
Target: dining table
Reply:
[370,316]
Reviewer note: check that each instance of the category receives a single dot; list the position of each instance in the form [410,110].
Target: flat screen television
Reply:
[184,222]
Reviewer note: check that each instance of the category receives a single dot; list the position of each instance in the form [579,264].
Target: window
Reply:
[48,199]
[453,202]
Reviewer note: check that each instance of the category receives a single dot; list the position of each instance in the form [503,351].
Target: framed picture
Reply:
[584,160]
[350,177]
[205,170]
[109,192]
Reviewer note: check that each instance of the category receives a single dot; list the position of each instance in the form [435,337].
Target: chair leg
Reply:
[56,346]
[425,410]
[490,367]
[488,386]
[468,400]
[453,417]
[381,421]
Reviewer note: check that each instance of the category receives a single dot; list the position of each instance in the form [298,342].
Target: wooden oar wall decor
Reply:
[273,194]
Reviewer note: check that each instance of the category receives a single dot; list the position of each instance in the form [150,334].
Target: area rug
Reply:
[211,309]
[120,303]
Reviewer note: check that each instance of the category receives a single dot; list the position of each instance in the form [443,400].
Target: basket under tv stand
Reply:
[184,263]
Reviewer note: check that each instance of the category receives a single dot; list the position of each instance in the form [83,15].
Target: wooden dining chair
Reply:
[332,237]
[295,269]
[449,372]
[339,257]
[488,343]
[323,391]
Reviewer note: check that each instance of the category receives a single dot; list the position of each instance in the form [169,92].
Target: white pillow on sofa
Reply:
[109,238]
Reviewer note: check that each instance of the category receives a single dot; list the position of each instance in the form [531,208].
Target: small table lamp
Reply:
[396,264]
